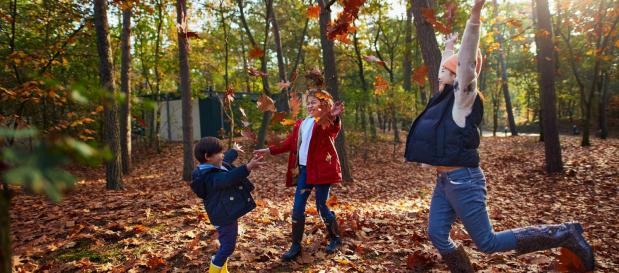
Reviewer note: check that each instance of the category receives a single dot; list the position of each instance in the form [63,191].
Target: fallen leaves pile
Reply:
[158,225]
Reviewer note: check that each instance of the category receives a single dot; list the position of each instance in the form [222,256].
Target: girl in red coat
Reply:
[315,163]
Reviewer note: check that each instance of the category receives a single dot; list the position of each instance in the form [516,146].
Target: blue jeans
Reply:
[462,193]
[303,192]
[227,242]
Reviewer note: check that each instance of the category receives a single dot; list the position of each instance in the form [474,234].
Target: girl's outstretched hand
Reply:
[261,152]
[337,108]
[477,6]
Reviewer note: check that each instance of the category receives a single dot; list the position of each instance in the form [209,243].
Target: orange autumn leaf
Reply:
[229,95]
[332,201]
[255,72]
[155,262]
[255,53]
[313,11]
[277,117]
[265,103]
[295,106]
[311,211]
[287,122]
[380,85]
[374,59]
[419,74]
[569,262]
[139,229]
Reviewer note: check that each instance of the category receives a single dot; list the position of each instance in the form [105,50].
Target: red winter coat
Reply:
[323,164]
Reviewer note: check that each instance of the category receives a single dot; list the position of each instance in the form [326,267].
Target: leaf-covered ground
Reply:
[158,225]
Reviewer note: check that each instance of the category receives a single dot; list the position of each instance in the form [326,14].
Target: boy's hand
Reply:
[237,147]
[476,11]
[337,108]
[262,152]
[255,162]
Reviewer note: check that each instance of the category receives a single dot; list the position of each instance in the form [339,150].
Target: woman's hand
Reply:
[337,108]
[255,162]
[476,11]
[262,152]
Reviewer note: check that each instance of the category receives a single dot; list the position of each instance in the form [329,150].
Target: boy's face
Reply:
[313,106]
[215,159]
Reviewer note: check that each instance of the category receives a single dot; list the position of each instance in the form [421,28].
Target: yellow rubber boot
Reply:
[224,268]
[216,269]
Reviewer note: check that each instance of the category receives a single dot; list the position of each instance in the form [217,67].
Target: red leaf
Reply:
[155,262]
[255,53]
[380,85]
[277,117]
[569,262]
[313,11]
[229,96]
[419,74]
[265,103]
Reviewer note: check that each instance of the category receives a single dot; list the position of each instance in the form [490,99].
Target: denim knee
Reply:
[440,239]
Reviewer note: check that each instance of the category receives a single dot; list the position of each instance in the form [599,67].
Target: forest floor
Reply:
[158,225]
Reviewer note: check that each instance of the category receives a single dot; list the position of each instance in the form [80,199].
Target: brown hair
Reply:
[207,146]
[322,95]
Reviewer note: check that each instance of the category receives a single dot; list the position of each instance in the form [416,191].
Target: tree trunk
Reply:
[546,66]
[185,86]
[125,87]
[156,118]
[429,46]
[111,128]
[504,82]
[6,259]
[603,106]
[282,100]
[407,63]
[364,84]
[330,70]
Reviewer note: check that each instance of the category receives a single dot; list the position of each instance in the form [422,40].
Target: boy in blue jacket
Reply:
[226,192]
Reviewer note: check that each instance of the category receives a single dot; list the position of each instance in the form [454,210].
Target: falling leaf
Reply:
[256,53]
[229,95]
[332,201]
[374,59]
[380,85]
[295,106]
[313,11]
[255,72]
[265,103]
[419,74]
[277,117]
[287,122]
[248,134]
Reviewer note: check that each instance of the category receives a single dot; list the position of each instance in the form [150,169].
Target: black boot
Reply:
[297,235]
[334,235]
[458,261]
[568,235]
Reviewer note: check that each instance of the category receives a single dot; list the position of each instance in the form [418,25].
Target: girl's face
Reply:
[313,106]
[445,77]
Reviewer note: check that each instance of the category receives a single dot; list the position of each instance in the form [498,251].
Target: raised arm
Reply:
[466,78]
[449,47]
[465,74]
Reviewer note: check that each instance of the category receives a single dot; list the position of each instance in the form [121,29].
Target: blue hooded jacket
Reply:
[226,193]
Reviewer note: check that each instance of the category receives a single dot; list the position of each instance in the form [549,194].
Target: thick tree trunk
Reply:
[185,86]
[546,66]
[111,128]
[429,46]
[125,87]
[330,70]
[6,259]
[407,63]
